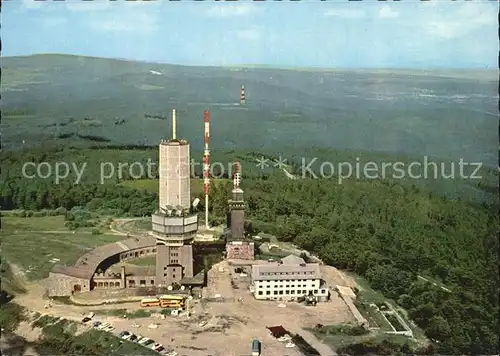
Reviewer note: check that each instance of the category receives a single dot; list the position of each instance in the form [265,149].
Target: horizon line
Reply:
[254,66]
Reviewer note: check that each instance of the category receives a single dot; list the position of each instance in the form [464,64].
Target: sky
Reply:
[327,34]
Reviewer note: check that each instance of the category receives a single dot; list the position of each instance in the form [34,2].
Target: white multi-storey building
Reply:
[288,279]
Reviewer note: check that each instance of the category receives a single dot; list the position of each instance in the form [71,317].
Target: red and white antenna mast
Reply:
[206,164]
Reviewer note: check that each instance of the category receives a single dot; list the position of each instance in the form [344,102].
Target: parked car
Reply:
[96,324]
[160,349]
[133,338]
[155,346]
[103,326]
[140,338]
[86,320]
[123,334]
[109,328]
[146,341]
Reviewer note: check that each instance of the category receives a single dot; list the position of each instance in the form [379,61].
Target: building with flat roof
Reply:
[291,278]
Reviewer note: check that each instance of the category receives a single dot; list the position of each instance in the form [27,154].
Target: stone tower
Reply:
[237,246]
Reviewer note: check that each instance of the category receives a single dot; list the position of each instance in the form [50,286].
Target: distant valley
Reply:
[71,99]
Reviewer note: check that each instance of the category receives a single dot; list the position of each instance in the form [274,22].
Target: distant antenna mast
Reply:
[173,125]
[242,102]
[206,165]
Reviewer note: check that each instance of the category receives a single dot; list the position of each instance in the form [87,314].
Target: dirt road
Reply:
[117,226]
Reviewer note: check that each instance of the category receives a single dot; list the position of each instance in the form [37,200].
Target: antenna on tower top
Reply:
[237,176]
[173,125]
[206,164]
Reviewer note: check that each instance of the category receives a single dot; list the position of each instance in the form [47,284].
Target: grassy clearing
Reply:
[11,314]
[374,317]
[44,321]
[145,261]
[10,283]
[395,322]
[340,335]
[59,339]
[123,312]
[45,223]
[366,296]
[32,250]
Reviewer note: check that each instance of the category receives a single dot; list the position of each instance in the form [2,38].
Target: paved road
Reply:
[117,227]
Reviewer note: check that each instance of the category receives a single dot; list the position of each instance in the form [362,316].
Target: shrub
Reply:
[11,314]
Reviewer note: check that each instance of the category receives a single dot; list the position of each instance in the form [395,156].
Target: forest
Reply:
[387,232]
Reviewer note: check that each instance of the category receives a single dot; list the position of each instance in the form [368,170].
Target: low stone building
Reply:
[88,271]
[243,250]
[64,281]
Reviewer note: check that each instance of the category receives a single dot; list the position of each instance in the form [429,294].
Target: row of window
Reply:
[142,282]
[297,273]
[106,284]
[165,268]
[137,254]
[291,280]
[286,292]
[289,292]
[285,286]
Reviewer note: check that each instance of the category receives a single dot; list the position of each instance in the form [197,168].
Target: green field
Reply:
[26,243]
[141,313]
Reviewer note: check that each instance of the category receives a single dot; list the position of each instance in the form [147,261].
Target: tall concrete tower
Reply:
[174,224]
[174,169]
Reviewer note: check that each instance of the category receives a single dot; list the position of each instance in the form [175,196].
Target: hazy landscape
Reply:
[428,247]
[67,99]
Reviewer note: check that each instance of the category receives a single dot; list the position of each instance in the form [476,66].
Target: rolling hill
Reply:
[63,98]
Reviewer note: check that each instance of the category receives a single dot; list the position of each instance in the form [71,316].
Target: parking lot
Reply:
[223,324]
[145,341]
